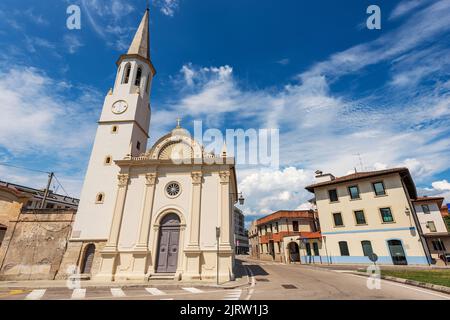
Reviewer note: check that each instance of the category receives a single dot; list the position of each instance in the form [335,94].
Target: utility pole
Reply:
[50,177]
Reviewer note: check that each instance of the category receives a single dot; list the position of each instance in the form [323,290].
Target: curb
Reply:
[425,285]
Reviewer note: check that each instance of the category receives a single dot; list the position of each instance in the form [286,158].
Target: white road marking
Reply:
[192,290]
[405,286]
[78,294]
[167,299]
[253,283]
[416,289]
[117,292]
[36,294]
[233,295]
[155,291]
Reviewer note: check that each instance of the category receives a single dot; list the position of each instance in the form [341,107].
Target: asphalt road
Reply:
[277,281]
[267,281]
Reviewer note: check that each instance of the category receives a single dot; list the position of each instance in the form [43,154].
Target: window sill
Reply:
[381,195]
[361,224]
[339,226]
[391,222]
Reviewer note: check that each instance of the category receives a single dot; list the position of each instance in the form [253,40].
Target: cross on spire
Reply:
[178,122]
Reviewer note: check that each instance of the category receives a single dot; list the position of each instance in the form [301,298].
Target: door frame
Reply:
[154,238]
[168,229]
[403,248]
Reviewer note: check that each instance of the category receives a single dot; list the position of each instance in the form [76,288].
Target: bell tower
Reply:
[122,129]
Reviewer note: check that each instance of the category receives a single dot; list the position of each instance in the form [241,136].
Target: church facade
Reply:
[150,214]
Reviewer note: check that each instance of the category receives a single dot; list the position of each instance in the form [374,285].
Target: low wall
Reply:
[35,244]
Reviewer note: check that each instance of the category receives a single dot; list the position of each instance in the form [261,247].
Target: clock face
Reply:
[119,107]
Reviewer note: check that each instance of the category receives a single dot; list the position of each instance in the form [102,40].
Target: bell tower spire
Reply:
[141,40]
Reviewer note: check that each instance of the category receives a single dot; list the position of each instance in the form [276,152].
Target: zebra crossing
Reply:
[107,293]
[233,295]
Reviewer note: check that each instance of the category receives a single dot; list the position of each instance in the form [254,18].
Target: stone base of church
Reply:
[73,258]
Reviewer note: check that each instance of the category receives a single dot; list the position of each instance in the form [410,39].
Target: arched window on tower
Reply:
[137,82]
[100,197]
[126,73]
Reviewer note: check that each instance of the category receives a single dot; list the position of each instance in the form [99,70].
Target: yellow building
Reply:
[370,212]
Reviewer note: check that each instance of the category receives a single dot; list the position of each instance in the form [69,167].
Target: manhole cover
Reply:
[289,286]
[262,280]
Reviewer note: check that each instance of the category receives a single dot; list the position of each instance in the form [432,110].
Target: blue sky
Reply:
[311,69]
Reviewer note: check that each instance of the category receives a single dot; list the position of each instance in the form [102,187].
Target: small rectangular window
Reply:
[333,195]
[367,248]
[343,247]
[138,145]
[354,192]
[276,226]
[295,225]
[386,215]
[359,217]
[425,209]
[438,245]
[378,188]
[114,129]
[431,226]
[337,217]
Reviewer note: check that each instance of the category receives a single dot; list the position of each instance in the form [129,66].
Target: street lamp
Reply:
[241,199]
[217,238]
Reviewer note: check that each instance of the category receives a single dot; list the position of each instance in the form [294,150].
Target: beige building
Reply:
[369,212]
[433,225]
[150,214]
[288,236]
[253,240]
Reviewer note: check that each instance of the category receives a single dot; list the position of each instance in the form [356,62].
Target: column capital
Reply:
[196,177]
[224,176]
[123,178]
[150,178]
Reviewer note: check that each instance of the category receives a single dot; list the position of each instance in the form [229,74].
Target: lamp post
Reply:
[217,240]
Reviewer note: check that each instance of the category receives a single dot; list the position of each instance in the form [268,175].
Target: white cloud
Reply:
[283,62]
[442,185]
[48,121]
[72,43]
[167,7]
[266,191]
[405,7]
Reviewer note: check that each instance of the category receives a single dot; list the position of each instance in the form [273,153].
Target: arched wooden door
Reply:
[168,242]
[88,259]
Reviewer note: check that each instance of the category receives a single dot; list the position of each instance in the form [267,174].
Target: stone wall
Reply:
[36,244]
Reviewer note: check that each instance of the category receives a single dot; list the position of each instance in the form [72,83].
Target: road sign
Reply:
[373,257]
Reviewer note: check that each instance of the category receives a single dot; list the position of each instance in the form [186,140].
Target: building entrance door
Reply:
[397,252]
[169,234]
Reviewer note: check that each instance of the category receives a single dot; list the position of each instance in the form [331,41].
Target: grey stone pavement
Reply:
[265,281]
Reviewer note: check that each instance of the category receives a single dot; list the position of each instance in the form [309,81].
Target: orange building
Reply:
[282,234]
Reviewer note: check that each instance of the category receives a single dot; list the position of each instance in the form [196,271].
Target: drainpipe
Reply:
[423,241]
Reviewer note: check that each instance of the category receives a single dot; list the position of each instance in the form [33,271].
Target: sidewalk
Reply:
[240,274]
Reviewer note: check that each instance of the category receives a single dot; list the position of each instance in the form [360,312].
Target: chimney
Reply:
[323,177]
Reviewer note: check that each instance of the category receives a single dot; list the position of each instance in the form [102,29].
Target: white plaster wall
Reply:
[132,212]
[163,202]
[209,211]
[92,219]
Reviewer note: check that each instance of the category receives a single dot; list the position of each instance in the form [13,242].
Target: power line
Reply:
[24,168]
[61,185]
[35,170]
